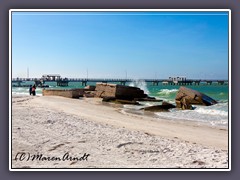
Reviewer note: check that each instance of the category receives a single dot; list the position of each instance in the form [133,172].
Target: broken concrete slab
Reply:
[186,97]
[160,108]
[118,91]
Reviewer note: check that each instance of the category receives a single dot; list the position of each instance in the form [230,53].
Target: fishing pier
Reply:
[183,81]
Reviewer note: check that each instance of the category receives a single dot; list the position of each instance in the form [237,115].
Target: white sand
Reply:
[53,126]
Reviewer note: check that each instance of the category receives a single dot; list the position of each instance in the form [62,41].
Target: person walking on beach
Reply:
[34,90]
[30,90]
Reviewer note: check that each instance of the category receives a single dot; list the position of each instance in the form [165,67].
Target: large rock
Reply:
[160,108]
[118,91]
[186,97]
[151,99]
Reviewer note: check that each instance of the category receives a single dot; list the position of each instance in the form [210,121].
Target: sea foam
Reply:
[167,91]
[214,112]
[140,84]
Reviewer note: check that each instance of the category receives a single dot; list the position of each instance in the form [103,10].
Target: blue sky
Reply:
[120,44]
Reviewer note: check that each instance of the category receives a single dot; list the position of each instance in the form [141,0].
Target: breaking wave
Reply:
[214,112]
[214,115]
[167,91]
[167,95]
[140,84]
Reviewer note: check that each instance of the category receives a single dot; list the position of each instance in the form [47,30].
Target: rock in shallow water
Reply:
[160,108]
[186,97]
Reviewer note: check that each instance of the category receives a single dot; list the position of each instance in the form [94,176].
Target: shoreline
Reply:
[125,140]
[180,121]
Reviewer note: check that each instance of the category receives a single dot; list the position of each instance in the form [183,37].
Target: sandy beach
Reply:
[58,132]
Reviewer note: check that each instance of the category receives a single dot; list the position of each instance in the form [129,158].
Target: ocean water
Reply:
[216,115]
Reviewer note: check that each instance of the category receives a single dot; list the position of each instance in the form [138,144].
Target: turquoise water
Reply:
[216,115]
[217,92]
[168,92]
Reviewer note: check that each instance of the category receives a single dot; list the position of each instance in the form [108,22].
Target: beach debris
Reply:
[124,144]
[160,108]
[90,88]
[69,93]
[55,147]
[88,94]
[72,163]
[81,92]
[186,97]
[108,99]
[119,101]
[118,91]
[122,94]
[150,99]
[165,150]
[198,162]
[87,91]
[109,92]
